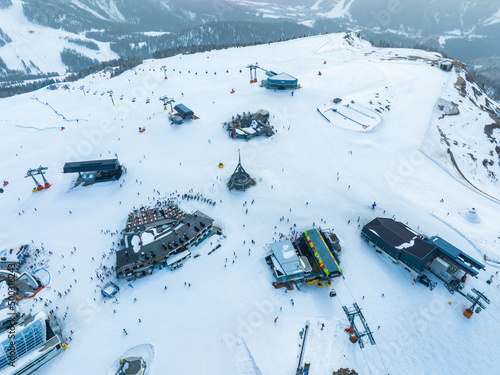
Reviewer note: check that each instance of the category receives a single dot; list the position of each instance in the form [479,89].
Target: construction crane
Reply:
[39,171]
[476,301]
[253,72]
[166,100]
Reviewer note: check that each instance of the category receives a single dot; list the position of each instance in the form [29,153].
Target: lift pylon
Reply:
[38,171]
[166,101]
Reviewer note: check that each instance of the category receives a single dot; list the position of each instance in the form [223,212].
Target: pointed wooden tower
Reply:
[240,179]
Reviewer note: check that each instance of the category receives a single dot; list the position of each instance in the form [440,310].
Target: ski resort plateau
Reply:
[315,206]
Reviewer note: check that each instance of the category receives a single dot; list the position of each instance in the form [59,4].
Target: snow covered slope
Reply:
[225,321]
[468,134]
[36,49]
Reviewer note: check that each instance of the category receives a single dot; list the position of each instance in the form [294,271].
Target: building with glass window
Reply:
[34,344]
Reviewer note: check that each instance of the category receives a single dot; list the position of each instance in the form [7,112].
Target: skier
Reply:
[374,205]
[125,332]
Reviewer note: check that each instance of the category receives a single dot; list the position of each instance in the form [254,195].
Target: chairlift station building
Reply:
[92,171]
[416,252]
[281,81]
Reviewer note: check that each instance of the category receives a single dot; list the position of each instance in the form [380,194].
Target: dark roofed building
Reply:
[183,111]
[158,238]
[418,254]
[402,244]
[91,166]
[456,257]
[93,171]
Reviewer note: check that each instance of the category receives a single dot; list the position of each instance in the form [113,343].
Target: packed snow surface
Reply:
[217,319]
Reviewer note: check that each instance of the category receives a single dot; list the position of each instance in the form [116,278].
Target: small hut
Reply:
[240,179]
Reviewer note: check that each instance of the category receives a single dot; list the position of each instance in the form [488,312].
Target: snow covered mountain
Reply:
[466,30]
[81,33]
[219,313]
[87,31]
[467,124]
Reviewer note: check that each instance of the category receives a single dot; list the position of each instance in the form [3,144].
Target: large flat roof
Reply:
[183,110]
[418,248]
[286,256]
[321,251]
[91,166]
[401,238]
[156,248]
[393,232]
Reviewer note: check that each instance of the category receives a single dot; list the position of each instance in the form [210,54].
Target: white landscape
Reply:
[224,322]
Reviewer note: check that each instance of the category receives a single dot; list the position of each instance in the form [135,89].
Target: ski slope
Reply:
[36,49]
[224,323]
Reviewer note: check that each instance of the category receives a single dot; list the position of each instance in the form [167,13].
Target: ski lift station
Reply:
[184,111]
[311,258]
[90,172]
[277,81]
[280,81]
[416,252]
